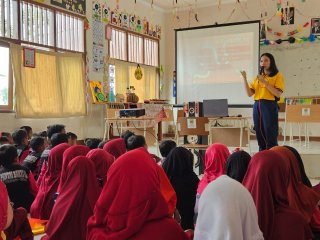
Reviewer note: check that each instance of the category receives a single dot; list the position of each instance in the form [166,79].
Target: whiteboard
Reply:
[300,65]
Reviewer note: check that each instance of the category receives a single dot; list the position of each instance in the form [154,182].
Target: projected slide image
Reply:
[218,59]
[209,61]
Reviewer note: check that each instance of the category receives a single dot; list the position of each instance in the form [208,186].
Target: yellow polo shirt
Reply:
[261,92]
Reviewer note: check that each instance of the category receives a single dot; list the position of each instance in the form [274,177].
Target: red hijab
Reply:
[71,153]
[301,197]
[131,203]
[215,164]
[116,147]
[75,202]
[267,180]
[42,205]
[3,206]
[102,161]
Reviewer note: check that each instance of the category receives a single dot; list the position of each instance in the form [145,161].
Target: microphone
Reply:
[261,70]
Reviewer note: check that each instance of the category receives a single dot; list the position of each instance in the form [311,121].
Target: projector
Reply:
[132,112]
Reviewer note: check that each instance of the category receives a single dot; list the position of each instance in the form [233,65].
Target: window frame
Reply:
[127,31]
[54,10]
[9,106]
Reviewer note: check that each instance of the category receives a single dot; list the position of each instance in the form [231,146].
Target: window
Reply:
[151,52]
[69,32]
[5,83]
[8,19]
[40,25]
[132,47]
[118,44]
[37,24]
[135,48]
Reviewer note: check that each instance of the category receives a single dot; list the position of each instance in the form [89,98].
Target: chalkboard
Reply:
[300,65]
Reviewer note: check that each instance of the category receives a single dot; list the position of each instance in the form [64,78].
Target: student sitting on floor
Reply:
[237,165]
[165,147]
[55,139]
[28,129]
[128,208]
[227,212]
[32,161]
[20,138]
[138,141]
[102,161]
[92,143]
[52,129]
[116,147]
[6,212]
[8,135]
[68,155]
[179,169]
[18,179]
[76,201]
[301,197]
[215,165]
[72,138]
[4,140]
[268,179]
[126,135]
[41,207]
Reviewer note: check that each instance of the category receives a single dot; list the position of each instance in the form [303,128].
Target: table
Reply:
[223,130]
[124,124]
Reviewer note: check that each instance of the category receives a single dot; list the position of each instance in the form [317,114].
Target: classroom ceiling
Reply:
[169,4]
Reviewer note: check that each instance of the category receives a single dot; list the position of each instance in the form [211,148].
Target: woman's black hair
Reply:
[8,153]
[237,165]
[273,67]
[305,179]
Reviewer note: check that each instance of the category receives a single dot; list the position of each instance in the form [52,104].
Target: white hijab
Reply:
[227,212]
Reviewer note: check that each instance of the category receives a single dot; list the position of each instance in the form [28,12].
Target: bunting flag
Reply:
[312,38]
[291,33]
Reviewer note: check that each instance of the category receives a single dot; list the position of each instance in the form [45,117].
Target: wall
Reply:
[91,125]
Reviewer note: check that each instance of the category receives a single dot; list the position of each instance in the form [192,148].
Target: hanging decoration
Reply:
[86,24]
[291,33]
[127,21]
[312,38]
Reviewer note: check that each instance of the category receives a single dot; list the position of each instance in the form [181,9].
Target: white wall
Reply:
[91,125]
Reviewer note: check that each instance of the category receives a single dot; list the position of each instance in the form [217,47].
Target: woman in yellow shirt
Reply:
[267,88]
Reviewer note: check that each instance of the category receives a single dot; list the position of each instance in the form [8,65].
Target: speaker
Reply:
[193,109]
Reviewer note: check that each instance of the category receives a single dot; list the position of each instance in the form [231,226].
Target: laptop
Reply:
[215,108]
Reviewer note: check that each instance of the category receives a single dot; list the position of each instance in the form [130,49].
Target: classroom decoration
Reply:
[291,40]
[77,6]
[123,19]
[98,36]
[96,11]
[105,13]
[86,24]
[290,33]
[29,57]
[97,92]
[138,73]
